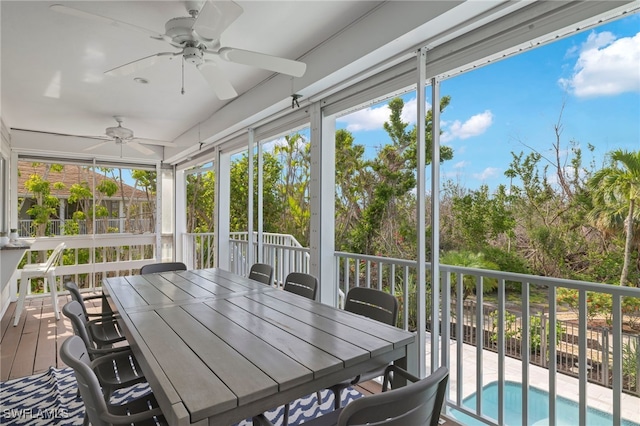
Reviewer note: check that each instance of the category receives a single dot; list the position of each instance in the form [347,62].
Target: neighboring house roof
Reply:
[70,175]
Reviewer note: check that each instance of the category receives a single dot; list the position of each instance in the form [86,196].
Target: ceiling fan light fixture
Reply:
[193,55]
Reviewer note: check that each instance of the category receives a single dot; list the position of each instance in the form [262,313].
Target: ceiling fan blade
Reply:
[215,17]
[91,148]
[261,60]
[105,20]
[140,64]
[217,80]
[141,148]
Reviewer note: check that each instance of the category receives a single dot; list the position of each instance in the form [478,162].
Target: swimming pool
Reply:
[567,410]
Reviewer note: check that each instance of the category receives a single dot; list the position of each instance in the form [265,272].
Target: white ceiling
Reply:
[52,64]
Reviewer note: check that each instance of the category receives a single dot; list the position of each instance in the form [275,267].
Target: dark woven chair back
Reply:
[372,303]
[302,284]
[261,272]
[154,268]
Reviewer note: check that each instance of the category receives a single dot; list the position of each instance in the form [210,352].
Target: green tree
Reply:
[144,185]
[88,202]
[615,193]
[200,202]
[294,155]
[353,184]
[272,205]
[551,235]
[146,180]
[384,222]
[480,217]
[45,201]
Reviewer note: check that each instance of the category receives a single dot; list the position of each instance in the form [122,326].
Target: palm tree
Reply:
[615,193]
[470,259]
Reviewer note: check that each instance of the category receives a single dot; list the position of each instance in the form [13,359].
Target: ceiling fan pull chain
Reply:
[182,91]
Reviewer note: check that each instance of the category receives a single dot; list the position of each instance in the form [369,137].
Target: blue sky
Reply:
[515,102]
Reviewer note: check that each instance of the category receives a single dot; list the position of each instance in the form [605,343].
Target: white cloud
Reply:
[487,173]
[366,119]
[474,126]
[606,66]
[461,165]
[373,118]
[410,111]
[270,146]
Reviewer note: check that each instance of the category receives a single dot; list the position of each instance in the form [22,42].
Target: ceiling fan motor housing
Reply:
[119,132]
[180,29]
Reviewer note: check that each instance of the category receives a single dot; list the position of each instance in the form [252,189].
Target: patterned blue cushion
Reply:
[51,398]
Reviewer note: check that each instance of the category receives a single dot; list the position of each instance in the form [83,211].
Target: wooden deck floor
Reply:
[32,346]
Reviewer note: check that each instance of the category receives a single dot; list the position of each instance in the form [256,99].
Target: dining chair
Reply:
[374,304]
[153,268]
[305,285]
[46,270]
[261,272]
[121,371]
[140,411]
[103,331]
[417,404]
[76,295]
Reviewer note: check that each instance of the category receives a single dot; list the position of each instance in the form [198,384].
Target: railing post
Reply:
[543,340]
[605,357]
[637,352]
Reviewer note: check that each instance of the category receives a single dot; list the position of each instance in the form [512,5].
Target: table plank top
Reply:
[217,347]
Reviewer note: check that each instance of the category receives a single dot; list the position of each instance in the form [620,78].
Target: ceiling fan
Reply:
[197,37]
[121,136]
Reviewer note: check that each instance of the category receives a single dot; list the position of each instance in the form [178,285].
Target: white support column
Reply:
[13,215]
[158,224]
[180,217]
[421,214]
[435,224]
[168,208]
[250,191]
[62,214]
[322,204]
[121,215]
[260,248]
[221,209]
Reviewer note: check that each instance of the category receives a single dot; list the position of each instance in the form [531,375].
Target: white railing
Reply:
[499,341]
[198,250]
[282,251]
[477,325]
[55,227]
[88,259]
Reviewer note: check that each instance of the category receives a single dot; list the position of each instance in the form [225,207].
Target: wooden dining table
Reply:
[218,348]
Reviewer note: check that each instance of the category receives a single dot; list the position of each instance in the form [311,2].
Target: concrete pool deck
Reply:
[566,386]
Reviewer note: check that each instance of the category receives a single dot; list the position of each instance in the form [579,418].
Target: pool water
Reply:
[566,410]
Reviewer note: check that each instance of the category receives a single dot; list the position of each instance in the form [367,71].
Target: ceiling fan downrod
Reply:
[182,90]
